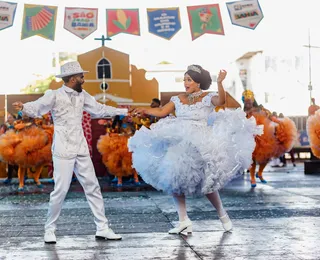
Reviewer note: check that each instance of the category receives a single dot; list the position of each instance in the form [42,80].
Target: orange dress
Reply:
[279,136]
[115,155]
[313,129]
[27,145]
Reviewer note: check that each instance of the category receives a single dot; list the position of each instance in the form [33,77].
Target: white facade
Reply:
[279,79]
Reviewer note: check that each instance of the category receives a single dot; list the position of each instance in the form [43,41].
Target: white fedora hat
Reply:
[70,68]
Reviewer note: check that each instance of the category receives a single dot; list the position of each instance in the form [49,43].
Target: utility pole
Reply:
[309,46]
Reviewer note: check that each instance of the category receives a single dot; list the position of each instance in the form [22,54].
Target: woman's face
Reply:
[190,85]
[248,104]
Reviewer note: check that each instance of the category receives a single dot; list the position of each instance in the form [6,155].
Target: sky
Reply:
[284,28]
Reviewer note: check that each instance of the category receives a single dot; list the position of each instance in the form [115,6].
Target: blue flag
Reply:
[164,23]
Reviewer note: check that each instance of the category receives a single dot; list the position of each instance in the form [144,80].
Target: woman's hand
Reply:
[222,75]
[137,111]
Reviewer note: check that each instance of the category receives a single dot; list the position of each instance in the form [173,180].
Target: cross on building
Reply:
[102,39]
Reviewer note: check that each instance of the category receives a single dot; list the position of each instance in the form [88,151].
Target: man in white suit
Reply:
[70,151]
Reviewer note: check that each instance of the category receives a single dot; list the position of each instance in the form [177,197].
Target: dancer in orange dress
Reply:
[114,150]
[28,145]
[279,136]
[313,128]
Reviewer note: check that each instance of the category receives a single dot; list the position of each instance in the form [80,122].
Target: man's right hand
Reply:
[18,105]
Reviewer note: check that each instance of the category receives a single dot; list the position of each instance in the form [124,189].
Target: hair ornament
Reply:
[194,68]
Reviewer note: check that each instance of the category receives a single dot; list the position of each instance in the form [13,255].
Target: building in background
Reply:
[278,78]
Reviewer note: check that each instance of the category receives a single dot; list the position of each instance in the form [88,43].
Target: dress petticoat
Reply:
[197,152]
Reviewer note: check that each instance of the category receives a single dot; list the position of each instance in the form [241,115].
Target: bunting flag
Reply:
[123,21]
[7,13]
[81,21]
[164,23]
[205,19]
[39,20]
[247,14]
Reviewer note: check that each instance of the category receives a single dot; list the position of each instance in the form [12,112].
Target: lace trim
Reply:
[206,101]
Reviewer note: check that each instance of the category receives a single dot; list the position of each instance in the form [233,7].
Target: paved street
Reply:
[278,220]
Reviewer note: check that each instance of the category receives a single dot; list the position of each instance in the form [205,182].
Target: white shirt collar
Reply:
[70,90]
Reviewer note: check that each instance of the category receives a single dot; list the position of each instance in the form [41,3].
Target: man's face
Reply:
[77,82]
[154,104]
[10,119]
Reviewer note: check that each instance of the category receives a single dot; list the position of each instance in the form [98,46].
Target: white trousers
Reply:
[82,166]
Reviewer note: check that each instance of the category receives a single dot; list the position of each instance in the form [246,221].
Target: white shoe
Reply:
[107,234]
[183,225]
[226,222]
[50,237]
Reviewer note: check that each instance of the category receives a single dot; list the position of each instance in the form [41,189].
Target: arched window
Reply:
[104,69]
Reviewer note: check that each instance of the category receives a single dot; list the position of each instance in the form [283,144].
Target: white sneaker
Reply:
[107,234]
[183,225]
[50,237]
[226,222]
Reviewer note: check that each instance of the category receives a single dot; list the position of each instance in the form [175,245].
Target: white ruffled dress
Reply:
[198,151]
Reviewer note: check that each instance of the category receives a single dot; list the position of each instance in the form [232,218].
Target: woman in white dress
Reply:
[199,150]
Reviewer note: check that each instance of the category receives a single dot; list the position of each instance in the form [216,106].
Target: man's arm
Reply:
[98,110]
[39,107]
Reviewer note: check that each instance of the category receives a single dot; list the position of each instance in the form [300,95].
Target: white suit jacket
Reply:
[67,106]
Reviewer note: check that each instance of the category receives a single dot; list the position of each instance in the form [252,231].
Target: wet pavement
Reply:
[277,220]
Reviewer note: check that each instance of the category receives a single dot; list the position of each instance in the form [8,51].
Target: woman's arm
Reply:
[221,98]
[157,112]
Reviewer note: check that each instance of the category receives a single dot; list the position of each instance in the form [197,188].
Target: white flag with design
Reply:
[81,21]
[7,13]
[245,13]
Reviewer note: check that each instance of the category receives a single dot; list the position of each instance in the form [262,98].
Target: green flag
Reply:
[39,20]
[205,19]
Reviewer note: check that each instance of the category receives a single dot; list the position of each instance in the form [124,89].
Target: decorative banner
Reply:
[205,19]
[246,13]
[164,23]
[81,21]
[122,21]
[39,20]
[7,12]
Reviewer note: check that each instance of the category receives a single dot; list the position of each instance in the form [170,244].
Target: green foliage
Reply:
[39,86]
[164,63]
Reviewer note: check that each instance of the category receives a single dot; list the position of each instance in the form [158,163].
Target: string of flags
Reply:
[163,22]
